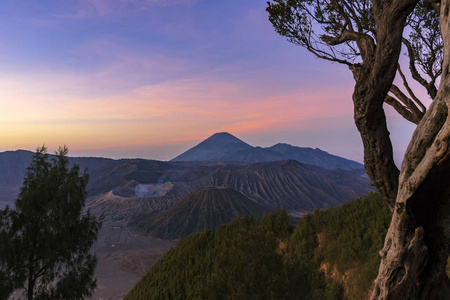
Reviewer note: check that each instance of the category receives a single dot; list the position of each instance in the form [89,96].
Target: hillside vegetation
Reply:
[330,254]
[343,243]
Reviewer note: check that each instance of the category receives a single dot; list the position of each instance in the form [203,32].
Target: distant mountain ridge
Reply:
[315,157]
[14,164]
[224,147]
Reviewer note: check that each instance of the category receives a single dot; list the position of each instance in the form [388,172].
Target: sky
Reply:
[153,78]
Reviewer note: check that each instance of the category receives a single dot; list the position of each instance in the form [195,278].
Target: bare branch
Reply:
[353,15]
[410,91]
[412,66]
[324,55]
[365,42]
[406,101]
[402,110]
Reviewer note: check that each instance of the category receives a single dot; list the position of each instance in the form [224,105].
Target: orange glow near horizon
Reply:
[168,113]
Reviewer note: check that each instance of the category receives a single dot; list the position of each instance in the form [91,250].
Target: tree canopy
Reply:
[46,238]
[340,31]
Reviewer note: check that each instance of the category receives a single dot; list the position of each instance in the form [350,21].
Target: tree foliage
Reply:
[331,254]
[339,25]
[46,238]
[425,47]
[10,279]
[341,31]
[241,260]
[344,243]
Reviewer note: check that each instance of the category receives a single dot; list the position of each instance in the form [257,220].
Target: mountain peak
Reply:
[213,148]
[224,137]
[222,134]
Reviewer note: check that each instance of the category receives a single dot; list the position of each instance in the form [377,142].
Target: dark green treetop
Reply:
[48,236]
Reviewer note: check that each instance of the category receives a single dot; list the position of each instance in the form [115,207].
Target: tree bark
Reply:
[417,244]
[374,79]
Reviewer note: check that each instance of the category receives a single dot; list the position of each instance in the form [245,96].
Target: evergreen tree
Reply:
[45,240]
[9,279]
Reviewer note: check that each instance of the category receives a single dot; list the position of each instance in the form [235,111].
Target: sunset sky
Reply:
[150,79]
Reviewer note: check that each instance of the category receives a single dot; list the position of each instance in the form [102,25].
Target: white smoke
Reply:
[152,190]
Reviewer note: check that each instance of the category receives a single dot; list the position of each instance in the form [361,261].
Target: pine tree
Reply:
[47,237]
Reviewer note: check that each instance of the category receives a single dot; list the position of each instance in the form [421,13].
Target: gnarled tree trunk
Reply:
[374,79]
[417,244]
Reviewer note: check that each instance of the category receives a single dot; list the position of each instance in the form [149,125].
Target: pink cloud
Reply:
[224,106]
